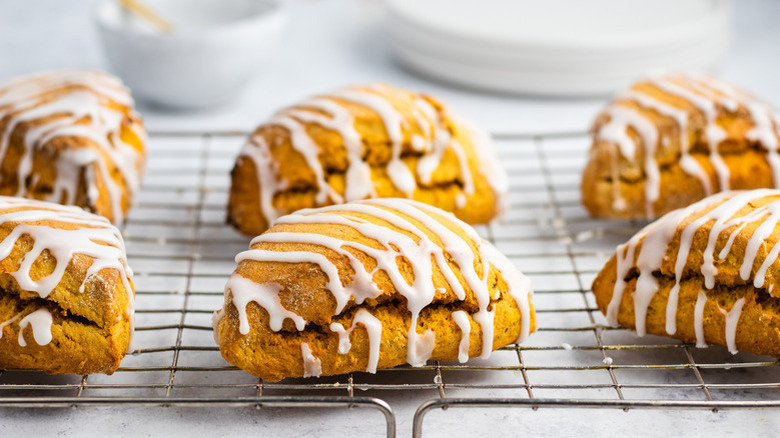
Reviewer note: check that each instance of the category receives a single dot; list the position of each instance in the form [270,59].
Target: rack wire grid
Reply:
[182,252]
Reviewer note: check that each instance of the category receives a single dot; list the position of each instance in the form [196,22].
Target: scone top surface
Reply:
[420,281]
[71,137]
[673,139]
[365,142]
[68,269]
[707,273]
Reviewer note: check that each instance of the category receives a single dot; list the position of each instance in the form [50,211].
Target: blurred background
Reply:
[325,44]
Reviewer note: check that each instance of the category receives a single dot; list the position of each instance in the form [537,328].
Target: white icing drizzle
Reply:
[266,295]
[720,215]
[705,94]
[216,317]
[312,366]
[358,175]
[656,237]
[489,162]
[712,131]
[373,328]
[362,285]
[410,240]
[462,319]
[616,131]
[698,319]
[302,143]
[93,236]
[88,113]
[266,170]
[732,318]
[688,163]
[757,240]
[40,321]
[327,111]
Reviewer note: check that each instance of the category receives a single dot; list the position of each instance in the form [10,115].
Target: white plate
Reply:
[561,83]
[586,48]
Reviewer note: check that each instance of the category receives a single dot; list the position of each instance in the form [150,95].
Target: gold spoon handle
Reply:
[138,8]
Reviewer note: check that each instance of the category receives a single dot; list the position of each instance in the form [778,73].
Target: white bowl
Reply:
[215,49]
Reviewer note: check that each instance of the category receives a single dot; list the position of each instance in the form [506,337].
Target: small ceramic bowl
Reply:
[215,48]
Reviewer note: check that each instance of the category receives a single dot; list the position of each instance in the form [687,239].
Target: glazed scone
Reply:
[708,273]
[367,285]
[71,137]
[673,139]
[365,142]
[66,297]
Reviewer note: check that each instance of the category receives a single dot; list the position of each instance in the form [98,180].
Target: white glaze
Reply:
[680,116]
[362,285]
[216,317]
[616,132]
[312,366]
[489,162]
[40,321]
[93,236]
[721,216]
[266,295]
[412,224]
[706,95]
[656,237]
[302,143]
[266,170]
[89,104]
[330,112]
[698,319]
[462,319]
[732,319]
[358,175]
[373,328]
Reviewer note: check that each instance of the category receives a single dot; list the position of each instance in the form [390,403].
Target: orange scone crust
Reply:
[65,286]
[345,284]
[365,142]
[71,137]
[706,274]
[673,139]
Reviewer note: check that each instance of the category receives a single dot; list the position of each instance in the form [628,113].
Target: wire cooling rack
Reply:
[182,253]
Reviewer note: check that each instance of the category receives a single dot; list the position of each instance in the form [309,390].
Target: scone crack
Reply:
[625,175]
[53,307]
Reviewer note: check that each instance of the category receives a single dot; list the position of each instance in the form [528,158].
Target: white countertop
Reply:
[348,48]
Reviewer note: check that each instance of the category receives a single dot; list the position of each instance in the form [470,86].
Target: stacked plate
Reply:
[556,47]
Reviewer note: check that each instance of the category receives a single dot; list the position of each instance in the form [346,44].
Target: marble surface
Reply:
[331,43]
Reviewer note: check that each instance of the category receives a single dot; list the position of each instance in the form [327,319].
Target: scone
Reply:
[365,142]
[71,137]
[367,285]
[708,273]
[66,298]
[673,139]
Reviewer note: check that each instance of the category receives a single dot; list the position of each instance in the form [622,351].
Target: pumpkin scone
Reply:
[708,273]
[71,137]
[367,285]
[673,139]
[66,297]
[365,142]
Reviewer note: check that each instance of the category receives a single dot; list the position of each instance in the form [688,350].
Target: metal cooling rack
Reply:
[182,252]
